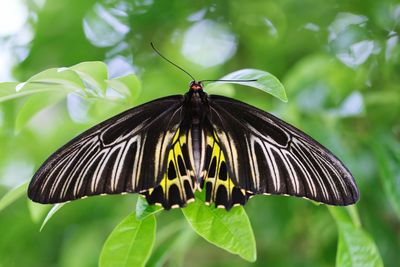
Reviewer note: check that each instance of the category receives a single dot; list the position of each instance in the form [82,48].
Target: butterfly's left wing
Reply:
[127,153]
[266,155]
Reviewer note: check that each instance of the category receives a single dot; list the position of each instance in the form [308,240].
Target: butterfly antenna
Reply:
[158,52]
[238,81]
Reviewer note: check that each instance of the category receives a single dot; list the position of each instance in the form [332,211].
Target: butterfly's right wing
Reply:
[127,153]
[265,155]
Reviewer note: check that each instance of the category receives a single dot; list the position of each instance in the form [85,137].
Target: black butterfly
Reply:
[170,147]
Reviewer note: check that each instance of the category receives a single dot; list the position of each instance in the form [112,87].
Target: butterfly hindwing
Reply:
[218,184]
[268,156]
[177,186]
[126,153]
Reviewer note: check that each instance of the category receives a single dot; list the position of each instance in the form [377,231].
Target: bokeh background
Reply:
[338,60]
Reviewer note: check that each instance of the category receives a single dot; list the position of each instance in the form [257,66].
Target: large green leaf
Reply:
[12,195]
[128,86]
[56,78]
[34,105]
[143,209]
[230,230]
[265,81]
[355,247]
[8,90]
[94,73]
[11,90]
[130,243]
[59,80]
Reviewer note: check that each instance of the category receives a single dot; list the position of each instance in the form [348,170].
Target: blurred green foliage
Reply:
[339,62]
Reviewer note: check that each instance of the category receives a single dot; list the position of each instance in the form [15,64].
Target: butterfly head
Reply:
[196,86]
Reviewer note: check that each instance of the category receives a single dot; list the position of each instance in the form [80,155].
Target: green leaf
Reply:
[34,105]
[94,73]
[89,79]
[8,90]
[50,214]
[129,86]
[355,247]
[12,195]
[54,79]
[230,230]
[143,209]
[37,210]
[11,90]
[130,243]
[265,81]
[51,80]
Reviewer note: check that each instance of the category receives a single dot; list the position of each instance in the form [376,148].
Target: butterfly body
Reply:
[170,147]
[196,124]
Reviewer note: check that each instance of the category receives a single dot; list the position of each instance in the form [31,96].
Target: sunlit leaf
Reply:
[51,80]
[128,86]
[50,214]
[89,77]
[12,195]
[11,90]
[55,79]
[130,243]
[35,104]
[94,73]
[265,81]
[229,230]
[355,247]
[8,90]
[143,209]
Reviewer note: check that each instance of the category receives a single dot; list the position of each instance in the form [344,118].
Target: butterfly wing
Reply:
[127,153]
[266,155]
[217,180]
[177,186]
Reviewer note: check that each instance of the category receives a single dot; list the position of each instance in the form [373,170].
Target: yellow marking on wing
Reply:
[176,136]
[178,179]
[214,174]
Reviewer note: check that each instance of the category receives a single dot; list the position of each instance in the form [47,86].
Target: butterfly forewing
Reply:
[126,153]
[268,156]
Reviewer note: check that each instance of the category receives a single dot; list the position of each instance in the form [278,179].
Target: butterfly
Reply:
[169,148]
